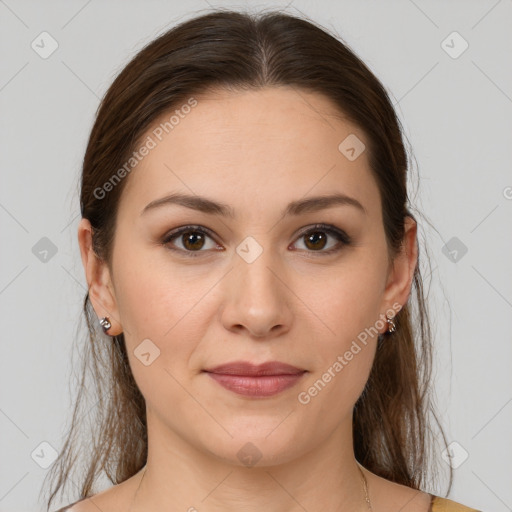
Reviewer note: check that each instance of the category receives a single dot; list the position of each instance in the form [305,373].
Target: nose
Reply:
[257,298]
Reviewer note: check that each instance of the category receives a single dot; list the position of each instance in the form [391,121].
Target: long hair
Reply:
[392,421]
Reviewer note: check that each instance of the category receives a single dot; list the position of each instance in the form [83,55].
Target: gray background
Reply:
[457,118]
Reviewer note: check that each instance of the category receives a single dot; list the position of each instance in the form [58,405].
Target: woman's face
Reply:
[261,283]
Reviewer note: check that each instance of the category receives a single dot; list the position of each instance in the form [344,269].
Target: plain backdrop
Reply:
[447,68]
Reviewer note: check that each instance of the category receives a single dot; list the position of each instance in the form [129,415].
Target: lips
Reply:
[245,368]
[256,381]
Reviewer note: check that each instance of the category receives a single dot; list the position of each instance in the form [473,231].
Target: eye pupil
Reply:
[193,237]
[315,237]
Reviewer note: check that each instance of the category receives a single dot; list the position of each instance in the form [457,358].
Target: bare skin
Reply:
[256,152]
[385,496]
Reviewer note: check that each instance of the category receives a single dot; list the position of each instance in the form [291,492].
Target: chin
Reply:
[254,447]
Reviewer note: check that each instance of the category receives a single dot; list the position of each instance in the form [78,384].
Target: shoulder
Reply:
[393,496]
[83,505]
[73,507]
[445,505]
[87,505]
[114,499]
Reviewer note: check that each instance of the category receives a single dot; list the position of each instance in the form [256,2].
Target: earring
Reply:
[391,324]
[105,324]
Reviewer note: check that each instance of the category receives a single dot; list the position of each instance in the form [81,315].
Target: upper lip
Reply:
[247,368]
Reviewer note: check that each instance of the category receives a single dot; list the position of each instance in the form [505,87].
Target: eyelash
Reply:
[340,235]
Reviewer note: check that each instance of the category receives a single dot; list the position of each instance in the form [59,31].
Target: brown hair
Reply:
[235,50]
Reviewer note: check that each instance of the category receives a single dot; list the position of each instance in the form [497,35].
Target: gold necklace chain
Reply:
[365,485]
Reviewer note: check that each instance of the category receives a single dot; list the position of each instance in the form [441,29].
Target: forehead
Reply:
[277,142]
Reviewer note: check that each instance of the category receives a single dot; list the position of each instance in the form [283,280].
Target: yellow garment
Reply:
[444,505]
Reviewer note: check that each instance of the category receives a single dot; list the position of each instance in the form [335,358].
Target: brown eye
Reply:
[192,240]
[189,240]
[315,240]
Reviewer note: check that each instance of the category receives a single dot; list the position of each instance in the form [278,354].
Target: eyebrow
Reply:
[299,207]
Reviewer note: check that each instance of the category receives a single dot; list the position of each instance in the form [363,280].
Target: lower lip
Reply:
[261,386]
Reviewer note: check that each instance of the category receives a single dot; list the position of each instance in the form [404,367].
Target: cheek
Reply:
[154,296]
[346,303]
[348,300]
[162,324]
[166,304]
[345,350]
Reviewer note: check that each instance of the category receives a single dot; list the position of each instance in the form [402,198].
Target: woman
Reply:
[250,255]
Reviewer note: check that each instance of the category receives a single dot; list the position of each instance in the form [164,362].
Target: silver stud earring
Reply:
[391,324]
[105,324]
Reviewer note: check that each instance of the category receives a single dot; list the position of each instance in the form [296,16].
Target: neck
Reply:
[181,476]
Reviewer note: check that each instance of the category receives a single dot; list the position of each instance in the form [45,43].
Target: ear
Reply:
[101,289]
[398,287]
